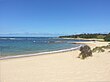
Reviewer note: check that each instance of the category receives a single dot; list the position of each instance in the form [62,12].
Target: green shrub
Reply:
[107,38]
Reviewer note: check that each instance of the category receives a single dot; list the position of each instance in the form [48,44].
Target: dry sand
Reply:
[58,67]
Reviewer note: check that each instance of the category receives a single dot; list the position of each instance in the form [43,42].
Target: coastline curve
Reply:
[42,53]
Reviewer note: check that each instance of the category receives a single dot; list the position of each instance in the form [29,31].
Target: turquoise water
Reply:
[10,46]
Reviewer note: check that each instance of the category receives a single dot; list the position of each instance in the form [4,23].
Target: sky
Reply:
[54,17]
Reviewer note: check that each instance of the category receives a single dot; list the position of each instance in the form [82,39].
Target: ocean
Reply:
[11,46]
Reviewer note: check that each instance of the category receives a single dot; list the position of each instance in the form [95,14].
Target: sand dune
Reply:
[58,67]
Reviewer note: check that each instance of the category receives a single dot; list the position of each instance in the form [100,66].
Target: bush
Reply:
[107,38]
[85,52]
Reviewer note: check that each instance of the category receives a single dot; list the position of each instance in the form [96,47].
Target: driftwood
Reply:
[85,52]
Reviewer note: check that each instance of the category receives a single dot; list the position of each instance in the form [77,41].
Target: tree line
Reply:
[106,37]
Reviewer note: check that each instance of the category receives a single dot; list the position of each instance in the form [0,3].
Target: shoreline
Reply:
[58,67]
[41,53]
[53,52]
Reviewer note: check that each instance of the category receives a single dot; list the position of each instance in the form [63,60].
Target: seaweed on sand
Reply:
[98,49]
[101,49]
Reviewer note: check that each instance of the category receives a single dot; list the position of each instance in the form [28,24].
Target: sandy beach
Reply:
[58,67]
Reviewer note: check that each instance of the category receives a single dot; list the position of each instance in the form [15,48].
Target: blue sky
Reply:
[54,16]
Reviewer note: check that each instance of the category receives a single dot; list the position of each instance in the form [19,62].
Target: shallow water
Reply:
[10,46]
